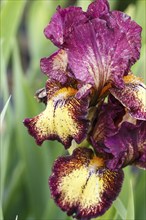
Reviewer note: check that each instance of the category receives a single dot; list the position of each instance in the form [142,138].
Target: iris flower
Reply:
[95,106]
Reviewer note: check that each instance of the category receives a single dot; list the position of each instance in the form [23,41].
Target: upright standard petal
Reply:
[128,146]
[63,23]
[64,119]
[99,54]
[132,96]
[55,66]
[132,31]
[98,8]
[82,186]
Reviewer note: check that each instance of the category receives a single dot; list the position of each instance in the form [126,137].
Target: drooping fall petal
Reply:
[82,186]
[64,119]
[132,96]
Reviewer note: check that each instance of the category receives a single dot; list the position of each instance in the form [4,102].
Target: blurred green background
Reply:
[25,167]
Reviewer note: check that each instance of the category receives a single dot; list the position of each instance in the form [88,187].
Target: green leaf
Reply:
[38,44]
[139,68]
[131,10]
[116,216]
[10,20]
[4,110]
[1,213]
[38,160]
[121,210]
[140,194]
[36,39]
[17,176]
[4,159]
[130,209]
[140,17]
[84,4]
[4,85]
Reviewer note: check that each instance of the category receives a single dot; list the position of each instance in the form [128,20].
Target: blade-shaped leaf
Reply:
[130,209]
[10,20]
[121,210]
[4,110]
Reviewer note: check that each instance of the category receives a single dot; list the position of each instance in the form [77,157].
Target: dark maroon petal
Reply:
[109,116]
[141,161]
[55,66]
[63,23]
[82,186]
[128,146]
[132,96]
[98,8]
[64,119]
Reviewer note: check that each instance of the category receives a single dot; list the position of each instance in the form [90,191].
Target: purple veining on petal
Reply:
[128,146]
[63,23]
[133,34]
[98,54]
[55,66]
[99,50]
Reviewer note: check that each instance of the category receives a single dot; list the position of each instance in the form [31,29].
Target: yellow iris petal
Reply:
[63,119]
[82,186]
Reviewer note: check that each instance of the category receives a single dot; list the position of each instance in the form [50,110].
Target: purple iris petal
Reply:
[63,23]
[83,91]
[109,116]
[98,53]
[101,45]
[98,8]
[128,146]
[55,66]
[132,31]
[132,96]
[141,161]
[119,136]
